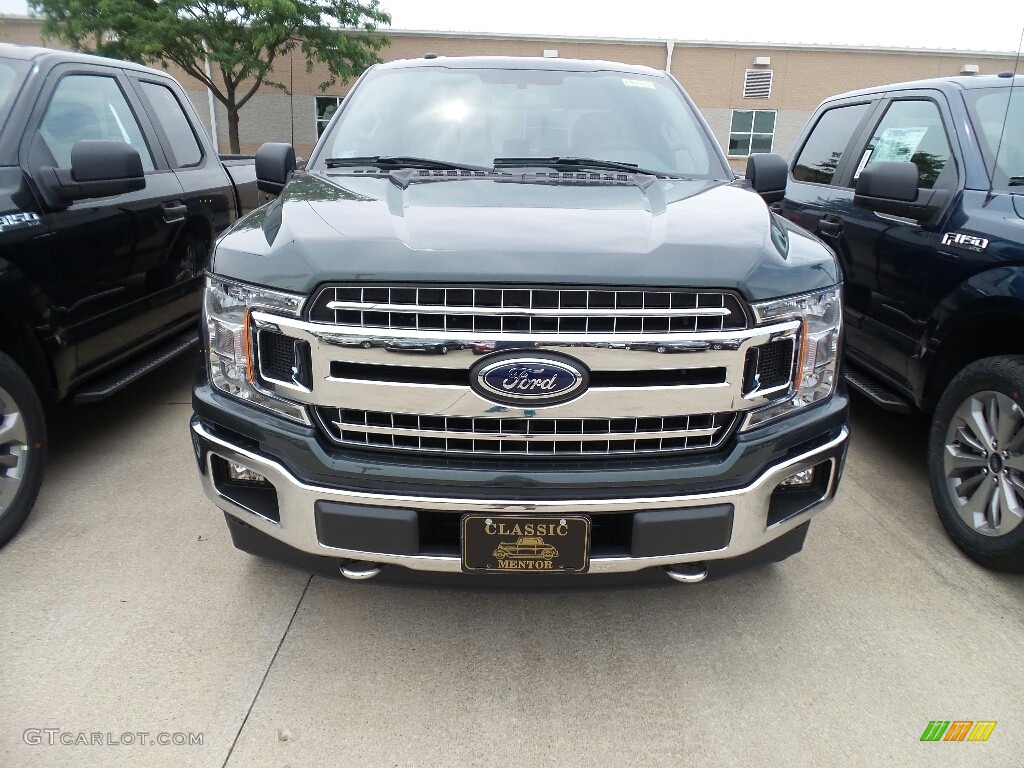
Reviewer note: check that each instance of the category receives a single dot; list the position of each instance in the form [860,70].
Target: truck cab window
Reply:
[824,148]
[998,117]
[89,107]
[911,130]
[11,74]
[176,125]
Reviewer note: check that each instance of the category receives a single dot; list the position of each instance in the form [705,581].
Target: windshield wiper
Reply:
[1016,181]
[390,162]
[578,163]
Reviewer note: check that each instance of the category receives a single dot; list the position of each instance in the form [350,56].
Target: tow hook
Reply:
[359,570]
[687,573]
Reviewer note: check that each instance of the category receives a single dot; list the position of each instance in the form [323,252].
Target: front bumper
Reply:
[758,518]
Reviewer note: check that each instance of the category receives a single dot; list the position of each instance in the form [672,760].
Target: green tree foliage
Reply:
[242,40]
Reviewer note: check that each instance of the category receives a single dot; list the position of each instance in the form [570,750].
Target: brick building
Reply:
[755,96]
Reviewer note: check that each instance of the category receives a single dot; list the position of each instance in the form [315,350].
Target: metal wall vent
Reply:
[757,84]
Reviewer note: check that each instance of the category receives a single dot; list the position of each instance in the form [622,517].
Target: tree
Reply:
[242,40]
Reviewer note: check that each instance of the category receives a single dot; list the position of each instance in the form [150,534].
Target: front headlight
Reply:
[821,318]
[230,354]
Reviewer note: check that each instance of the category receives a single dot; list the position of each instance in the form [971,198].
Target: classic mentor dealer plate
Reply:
[525,544]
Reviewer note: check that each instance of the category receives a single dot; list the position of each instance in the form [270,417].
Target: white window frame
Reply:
[751,132]
[320,125]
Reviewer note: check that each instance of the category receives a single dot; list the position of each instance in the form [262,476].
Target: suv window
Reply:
[169,113]
[824,149]
[89,107]
[911,130]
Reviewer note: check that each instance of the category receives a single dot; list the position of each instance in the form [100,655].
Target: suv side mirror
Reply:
[891,187]
[275,162]
[767,173]
[99,168]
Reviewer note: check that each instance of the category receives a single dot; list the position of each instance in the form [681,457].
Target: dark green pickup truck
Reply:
[518,295]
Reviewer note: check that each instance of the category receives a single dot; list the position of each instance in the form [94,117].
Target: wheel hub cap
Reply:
[13,450]
[984,463]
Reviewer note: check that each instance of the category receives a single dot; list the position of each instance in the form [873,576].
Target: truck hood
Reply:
[668,232]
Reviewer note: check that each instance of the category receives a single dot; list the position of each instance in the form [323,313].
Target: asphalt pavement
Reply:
[132,633]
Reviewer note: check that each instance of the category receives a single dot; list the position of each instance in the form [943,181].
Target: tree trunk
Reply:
[233,129]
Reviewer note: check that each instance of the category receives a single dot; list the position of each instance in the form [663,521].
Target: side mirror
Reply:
[275,162]
[767,173]
[99,168]
[891,187]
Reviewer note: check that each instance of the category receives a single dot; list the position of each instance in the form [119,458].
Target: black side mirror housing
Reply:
[99,168]
[891,187]
[275,162]
[767,174]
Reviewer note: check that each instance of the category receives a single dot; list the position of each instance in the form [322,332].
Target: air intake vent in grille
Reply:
[525,437]
[769,366]
[528,310]
[283,358]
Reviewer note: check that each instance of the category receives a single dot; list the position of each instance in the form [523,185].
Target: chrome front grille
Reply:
[597,311]
[525,436]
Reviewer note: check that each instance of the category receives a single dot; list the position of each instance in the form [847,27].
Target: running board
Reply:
[135,369]
[876,391]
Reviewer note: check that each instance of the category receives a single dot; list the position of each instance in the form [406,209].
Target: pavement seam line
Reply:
[267,672]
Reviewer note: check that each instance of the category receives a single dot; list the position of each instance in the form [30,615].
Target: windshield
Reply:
[990,109]
[12,71]
[475,116]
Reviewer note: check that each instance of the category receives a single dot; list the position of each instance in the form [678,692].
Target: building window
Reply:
[326,106]
[752,130]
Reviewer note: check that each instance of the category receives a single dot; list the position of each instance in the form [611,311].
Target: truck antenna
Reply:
[1009,101]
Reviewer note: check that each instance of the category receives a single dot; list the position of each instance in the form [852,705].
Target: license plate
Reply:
[525,544]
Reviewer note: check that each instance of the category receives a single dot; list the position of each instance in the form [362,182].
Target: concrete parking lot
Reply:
[124,609]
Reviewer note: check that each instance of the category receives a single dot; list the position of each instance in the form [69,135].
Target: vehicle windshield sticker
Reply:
[637,83]
[960,240]
[897,144]
[9,221]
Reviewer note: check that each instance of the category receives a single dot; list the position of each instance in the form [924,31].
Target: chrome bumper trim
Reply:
[297,528]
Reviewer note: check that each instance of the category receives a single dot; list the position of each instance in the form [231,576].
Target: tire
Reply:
[977,483]
[22,447]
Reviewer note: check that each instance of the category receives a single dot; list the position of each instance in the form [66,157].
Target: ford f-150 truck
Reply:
[454,332]
[919,188]
[111,195]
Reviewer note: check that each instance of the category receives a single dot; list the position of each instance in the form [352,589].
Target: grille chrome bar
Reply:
[692,312]
[529,310]
[527,437]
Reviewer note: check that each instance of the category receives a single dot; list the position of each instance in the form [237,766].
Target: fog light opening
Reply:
[245,488]
[238,473]
[800,479]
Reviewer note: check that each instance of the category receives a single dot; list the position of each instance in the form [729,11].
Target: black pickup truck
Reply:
[919,188]
[111,195]
[517,317]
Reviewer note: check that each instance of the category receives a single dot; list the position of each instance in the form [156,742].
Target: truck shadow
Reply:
[900,439]
[75,428]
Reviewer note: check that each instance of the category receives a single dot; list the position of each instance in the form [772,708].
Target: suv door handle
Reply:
[830,226]
[174,212]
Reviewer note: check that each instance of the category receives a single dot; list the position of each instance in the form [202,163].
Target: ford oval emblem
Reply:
[526,380]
